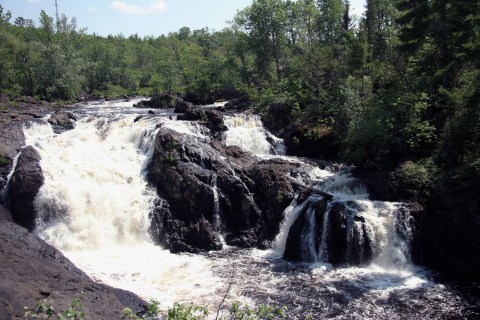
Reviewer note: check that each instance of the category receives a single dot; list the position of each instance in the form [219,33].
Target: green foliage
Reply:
[4,161]
[236,312]
[153,308]
[128,314]
[44,310]
[418,177]
[186,312]
[239,312]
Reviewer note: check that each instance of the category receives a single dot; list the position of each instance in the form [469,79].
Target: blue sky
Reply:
[144,17]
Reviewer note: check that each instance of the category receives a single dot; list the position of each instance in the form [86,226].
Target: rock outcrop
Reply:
[23,187]
[62,120]
[33,271]
[346,241]
[165,101]
[211,188]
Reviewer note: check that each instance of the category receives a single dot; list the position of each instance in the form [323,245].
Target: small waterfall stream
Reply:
[95,204]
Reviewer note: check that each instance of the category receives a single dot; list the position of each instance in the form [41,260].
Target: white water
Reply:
[247,132]
[94,207]
[95,203]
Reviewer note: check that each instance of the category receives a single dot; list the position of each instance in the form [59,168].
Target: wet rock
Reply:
[62,121]
[192,174]
[192,114]
[272,190]
[161,101]
[23,187]
[215,121]
[212,119]
[31,271]
[346,241]
[337,235]
[182,106]
[305,234]
[239,104]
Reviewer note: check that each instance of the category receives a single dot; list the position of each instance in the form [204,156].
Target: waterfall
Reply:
[95,203]
[94,192]
[216,205]
[247,132]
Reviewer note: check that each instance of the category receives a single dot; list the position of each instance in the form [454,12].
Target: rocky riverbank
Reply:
[207,189]
[31,270]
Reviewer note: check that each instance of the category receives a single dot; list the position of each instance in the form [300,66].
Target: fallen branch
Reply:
[324,194]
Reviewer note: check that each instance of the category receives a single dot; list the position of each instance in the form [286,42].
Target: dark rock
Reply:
[212,119]
[449,232]
[62,121]
[337,235]
[191,175]
[11,139]
[303,140]
[306,232]
[346,239]
[272,190]
[23,187]
[5,215]
[31,271]
[322,144]
[215,121]
[239,104]
[182,106]
[151,112]
[161,101]
[192,114]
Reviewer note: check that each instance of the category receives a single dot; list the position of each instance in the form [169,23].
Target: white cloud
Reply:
[33,1]
[93,9]
[155,6]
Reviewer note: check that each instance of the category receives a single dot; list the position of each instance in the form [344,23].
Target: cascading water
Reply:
[95,203]
[94,206]
[247,132]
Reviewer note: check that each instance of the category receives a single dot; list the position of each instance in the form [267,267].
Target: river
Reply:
[94,206]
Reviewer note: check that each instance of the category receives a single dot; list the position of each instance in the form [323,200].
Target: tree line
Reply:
[398,85]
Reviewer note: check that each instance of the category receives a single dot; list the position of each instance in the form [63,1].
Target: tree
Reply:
[264,21]
[330,21]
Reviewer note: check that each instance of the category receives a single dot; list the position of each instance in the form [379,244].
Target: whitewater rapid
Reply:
[94,206]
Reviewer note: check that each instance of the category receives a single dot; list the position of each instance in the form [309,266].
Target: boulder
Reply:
[215,121]
[182,106]
[160,101]
[62,121]
[239,104]
[337,234]
[23,187]
[212,119]
[347,239]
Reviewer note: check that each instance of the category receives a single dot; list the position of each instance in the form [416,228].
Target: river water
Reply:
[95,202]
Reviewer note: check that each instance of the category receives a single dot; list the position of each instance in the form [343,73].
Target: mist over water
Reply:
[94,206]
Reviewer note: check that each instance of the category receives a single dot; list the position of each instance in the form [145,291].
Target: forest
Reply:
[397,88]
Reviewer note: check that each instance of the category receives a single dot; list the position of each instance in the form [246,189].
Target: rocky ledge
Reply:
[32,271]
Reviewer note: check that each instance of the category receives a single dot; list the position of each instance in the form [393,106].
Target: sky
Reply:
[142,17]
